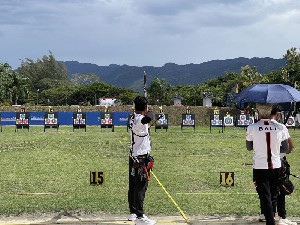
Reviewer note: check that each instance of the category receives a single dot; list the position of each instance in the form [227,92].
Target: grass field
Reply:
[50,171]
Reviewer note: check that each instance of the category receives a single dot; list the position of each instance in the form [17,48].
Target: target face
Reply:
[290,121]
[76,121]
[216,117]
[22,116]
[158,122]
[54,121]
[47,121]
[79,116]
[50,116]
[107,116]
[188,120]
[242,117]
[82,121]
[19,121]
[214,122]
[251,120]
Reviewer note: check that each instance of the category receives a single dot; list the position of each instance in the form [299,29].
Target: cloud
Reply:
[147,32]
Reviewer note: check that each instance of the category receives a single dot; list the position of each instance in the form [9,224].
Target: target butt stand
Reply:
[107,119]
[161,120]
[216,120]
[79,120]
[188,119]
[51,120]
[22,119]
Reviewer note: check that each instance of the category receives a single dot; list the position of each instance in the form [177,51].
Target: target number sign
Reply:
[97,177]
[227,178]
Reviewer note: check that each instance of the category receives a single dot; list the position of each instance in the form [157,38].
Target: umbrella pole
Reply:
[289,113]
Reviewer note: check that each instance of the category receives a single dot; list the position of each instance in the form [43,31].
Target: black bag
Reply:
[285,185]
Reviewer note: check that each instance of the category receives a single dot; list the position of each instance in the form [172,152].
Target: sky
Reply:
[147,32]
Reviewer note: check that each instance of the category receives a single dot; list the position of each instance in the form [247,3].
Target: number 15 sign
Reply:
[97,177]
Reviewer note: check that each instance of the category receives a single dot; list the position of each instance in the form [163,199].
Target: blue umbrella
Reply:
[268,93]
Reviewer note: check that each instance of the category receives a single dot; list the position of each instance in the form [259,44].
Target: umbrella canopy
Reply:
[268,93]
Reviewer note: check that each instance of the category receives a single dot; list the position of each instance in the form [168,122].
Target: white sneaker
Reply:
[285,222]
[262,218]
[144,221]
[132,217]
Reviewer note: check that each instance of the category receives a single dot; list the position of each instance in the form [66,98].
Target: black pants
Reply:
[137,190]
[281,205]
[267,183]
[131,187]
[140,188]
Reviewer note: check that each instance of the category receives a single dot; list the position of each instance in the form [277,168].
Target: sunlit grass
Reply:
[57,165]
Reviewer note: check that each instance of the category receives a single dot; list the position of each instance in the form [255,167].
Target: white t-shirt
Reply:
[140,138]
[267,136]
[287,135]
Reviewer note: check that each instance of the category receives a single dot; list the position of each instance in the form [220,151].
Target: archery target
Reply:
[290,122]
[251,120]
[162,120]
[107,120]
[228,121]
[243,120]
[50,116]
[18,121]
[22,116]
[79,120]
[216,121]
[188,120]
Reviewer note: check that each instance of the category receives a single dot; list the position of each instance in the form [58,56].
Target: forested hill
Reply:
[132,76]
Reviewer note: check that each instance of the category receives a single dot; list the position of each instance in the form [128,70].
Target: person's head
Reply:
[140,103]
[264,110]
[275,112]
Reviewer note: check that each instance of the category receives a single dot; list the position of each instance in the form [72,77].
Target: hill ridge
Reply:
[193,74]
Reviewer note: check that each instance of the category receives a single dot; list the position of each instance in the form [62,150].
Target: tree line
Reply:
[46,81]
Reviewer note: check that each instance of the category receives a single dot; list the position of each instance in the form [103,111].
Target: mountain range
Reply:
[133,76]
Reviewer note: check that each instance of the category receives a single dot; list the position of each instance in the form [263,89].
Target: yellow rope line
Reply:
[182,213]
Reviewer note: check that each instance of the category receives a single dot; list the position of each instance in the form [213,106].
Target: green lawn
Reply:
[57,165]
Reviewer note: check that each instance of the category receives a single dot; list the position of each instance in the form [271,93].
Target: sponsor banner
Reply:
[65,118]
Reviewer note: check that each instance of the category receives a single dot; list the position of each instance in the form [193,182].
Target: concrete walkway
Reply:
[78,218]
